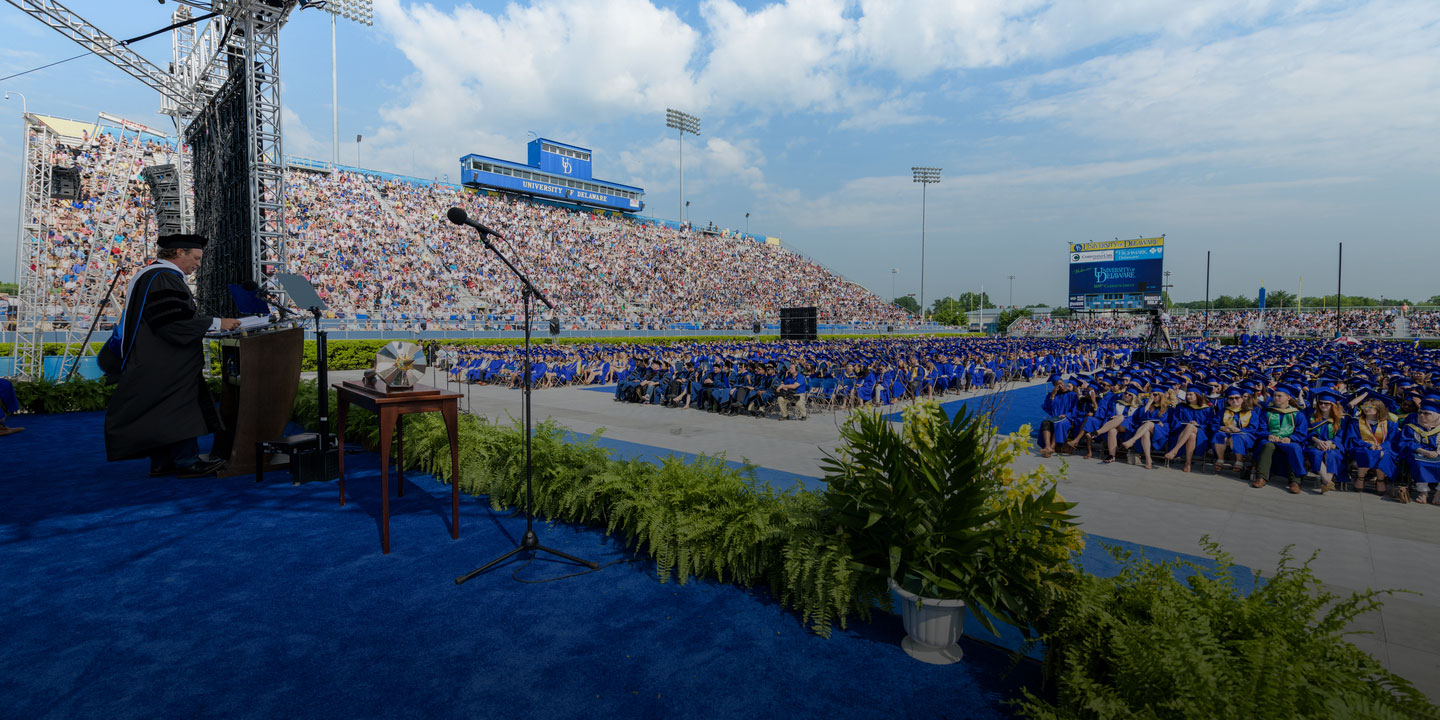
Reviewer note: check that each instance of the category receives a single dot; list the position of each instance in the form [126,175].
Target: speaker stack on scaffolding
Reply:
[64,182]
[798,323]
[164,183]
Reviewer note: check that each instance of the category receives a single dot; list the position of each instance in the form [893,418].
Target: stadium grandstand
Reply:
[379,249]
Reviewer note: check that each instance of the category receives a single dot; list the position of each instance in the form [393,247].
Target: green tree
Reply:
[1060,312]
[1008,316]
[949,311]
[909,304]
[9,288]
[971,301]
[1279,299]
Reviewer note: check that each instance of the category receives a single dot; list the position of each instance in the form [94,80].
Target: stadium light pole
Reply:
[685,123]
[893,273]
[360,11]
[1012,292]
[925,176]
[747,224]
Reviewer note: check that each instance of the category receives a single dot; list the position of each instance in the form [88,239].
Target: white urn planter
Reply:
[932,627]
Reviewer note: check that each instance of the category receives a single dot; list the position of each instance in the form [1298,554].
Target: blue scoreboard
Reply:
[1118,274]
[554,170]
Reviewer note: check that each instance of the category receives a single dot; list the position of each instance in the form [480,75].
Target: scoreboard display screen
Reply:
[1117,266]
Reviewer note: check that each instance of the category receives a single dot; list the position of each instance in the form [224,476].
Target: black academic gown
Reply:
[162,397]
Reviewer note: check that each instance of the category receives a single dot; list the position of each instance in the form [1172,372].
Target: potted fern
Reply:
[935,509]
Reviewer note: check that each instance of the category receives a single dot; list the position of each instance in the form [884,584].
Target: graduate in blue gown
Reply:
[1285,432]
[1235,427]
[1124,412]
[1329,427]
[1420,446]
[1152,424]
[1370,450]
[1059,406]
[1189,422]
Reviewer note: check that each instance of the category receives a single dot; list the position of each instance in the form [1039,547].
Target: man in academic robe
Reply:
[162,404]
[8,404]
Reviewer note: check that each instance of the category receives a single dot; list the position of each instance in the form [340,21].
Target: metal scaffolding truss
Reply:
[39,143]
[244,35]
[258,28]
[59,18]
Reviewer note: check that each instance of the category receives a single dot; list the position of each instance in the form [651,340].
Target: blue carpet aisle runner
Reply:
[127,597]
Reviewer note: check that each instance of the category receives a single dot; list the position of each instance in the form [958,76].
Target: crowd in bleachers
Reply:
[1358,322]
[383,255]
[105,228]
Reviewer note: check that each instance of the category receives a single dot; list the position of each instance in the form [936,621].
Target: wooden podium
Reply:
[259,374]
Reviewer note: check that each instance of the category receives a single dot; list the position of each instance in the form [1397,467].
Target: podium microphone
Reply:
[458,216]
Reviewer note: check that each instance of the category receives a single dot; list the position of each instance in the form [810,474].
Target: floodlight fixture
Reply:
[925,176]
[360,11]
[685,123]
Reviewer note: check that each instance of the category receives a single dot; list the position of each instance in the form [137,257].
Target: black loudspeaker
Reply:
[64,183]
[755,327]
[799,323]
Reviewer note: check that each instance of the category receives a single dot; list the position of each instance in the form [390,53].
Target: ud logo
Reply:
[565,165]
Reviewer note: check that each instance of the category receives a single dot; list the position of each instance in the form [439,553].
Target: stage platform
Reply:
[126,596]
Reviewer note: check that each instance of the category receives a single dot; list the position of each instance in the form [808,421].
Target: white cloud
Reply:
[299,140]
[1342,89]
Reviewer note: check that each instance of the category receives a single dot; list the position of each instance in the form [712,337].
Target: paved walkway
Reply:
[1365,541]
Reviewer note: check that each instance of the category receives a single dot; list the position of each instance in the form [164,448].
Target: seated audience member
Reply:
[1370,454]
[1285,434]
[1235,428]
[1328,432]
[8,404]
[1189,421]
[1420,446]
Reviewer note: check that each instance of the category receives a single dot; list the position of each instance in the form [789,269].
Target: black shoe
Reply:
[200,469]
[163,471]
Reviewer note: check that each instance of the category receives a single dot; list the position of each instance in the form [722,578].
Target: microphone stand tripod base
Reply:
[530,542]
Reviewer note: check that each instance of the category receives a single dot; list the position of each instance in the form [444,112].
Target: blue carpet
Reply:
[127,597]
[1012,408]
[601,388]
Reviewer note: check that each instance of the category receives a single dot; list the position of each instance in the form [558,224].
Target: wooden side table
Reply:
[391,407]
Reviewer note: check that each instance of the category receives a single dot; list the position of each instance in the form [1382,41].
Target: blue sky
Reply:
[1264,132]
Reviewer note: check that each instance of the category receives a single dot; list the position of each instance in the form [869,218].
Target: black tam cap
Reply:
[182,241]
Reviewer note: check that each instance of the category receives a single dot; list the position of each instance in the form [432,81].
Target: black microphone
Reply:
[458,216]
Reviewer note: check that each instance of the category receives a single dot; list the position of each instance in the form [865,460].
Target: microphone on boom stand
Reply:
[528,292]
[458,216]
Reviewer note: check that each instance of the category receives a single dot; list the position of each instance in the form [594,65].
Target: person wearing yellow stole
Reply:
[1285,432]
[1235,427]
[1420,446]
[1329,430]
[1370,453]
